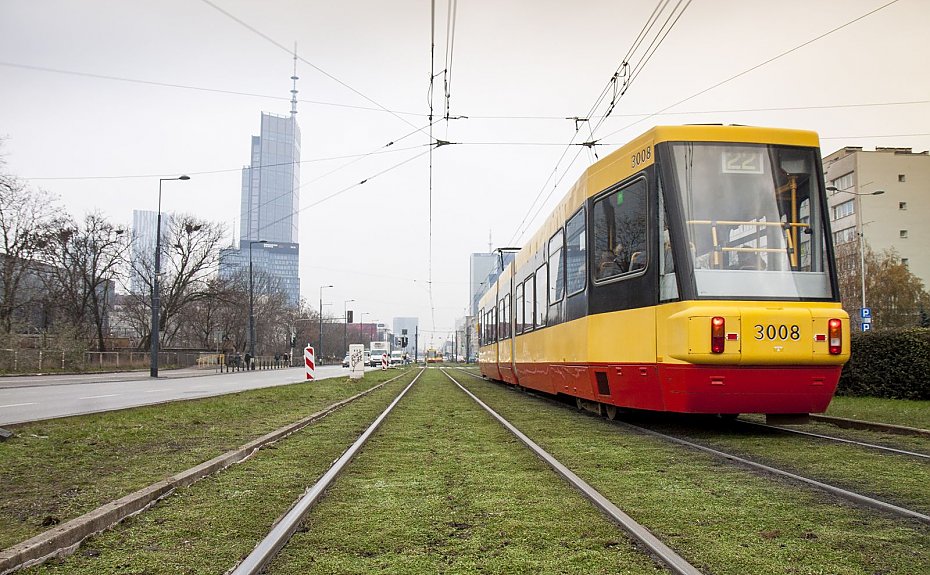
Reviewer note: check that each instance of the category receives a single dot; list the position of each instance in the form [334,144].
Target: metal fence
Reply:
[44,360]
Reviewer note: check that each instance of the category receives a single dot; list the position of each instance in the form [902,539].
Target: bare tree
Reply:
[190,249]
[27,216]
[84,264]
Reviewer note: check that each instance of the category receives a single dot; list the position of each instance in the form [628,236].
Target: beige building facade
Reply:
[895,218]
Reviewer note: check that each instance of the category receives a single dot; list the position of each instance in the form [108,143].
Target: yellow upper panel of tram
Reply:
[639,154]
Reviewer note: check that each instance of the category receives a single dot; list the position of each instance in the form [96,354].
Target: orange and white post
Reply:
[310,361]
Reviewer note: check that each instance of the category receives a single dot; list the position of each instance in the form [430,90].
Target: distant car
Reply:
[345,361]
[397,358]
[376,358]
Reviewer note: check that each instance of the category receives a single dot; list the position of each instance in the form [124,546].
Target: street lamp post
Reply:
[320,351]
[859,230]
[252,301]
[156,293]
[345,324]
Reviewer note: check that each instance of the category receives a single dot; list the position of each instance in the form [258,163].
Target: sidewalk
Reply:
[39,380]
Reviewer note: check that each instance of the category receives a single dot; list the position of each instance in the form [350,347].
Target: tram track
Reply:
[268,548]
[66,537]
[834,490]
[279,536]
[874,446]
[675,562]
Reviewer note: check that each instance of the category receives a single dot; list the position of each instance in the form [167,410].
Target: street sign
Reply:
[866,326]
[865,313]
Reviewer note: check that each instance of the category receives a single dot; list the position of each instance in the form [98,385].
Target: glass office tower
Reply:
[269,206]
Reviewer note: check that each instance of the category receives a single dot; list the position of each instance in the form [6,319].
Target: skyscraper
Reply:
[270,202]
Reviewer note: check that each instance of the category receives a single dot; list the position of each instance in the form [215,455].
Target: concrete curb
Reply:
[65,538]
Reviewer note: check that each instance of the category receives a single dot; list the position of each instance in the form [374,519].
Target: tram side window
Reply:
[519,321]
[575,253]
[556,269]
[668,281]
[620,232]
[501,334]
[542,310]
[529,306]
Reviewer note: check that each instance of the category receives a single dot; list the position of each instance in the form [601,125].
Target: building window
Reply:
[844,182]
[845,209]
[844,235]
[902,205]
[903,234]
[902,178]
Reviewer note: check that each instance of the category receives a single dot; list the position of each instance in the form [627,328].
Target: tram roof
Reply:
[616,166]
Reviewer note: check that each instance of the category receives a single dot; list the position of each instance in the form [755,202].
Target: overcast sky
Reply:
[518,69]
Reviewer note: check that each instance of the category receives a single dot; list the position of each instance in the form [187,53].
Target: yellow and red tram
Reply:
[689,271]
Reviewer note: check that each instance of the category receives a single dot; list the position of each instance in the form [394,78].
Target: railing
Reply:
[227,362]
[26,360]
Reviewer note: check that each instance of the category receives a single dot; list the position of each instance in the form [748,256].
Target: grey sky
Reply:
[545,59]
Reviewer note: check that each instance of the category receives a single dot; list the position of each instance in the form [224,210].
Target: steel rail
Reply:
[839,439]
[870,425]
[838,491]
[279,535]
[662,551]
[832,489]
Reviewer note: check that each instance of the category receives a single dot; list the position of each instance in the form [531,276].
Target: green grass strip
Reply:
[207,527]
[53,471]
[444,488]
[722,518]
[910,413]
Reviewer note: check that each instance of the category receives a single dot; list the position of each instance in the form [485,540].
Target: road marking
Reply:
[100,396]
[16,405]
[154,390]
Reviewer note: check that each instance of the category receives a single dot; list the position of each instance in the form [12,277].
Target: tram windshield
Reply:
[754,219]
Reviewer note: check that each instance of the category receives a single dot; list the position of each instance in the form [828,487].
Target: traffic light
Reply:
[349,316]
[403,341]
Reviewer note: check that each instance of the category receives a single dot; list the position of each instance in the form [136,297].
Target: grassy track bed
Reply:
[918,444]
[897,479]
[909,413]
[55,470]
[207,527]
[444,488]
[722,518]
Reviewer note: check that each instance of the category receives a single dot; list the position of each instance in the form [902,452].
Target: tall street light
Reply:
[320,351]
[156,292]
[345,324]
[859,229]
[252,301]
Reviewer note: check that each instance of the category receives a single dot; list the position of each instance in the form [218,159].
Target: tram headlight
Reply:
[717,334]
[835,336]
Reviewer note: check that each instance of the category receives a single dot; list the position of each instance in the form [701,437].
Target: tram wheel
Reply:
[610,411]
[578,404]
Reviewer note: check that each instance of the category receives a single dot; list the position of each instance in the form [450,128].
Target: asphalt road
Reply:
[32,398]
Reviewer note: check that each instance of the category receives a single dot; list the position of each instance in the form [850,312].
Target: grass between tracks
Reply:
[207,527]
[444,488]
[55,470]
[724,519]
[906,412]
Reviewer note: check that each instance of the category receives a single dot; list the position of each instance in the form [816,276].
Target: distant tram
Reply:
[433,356]
[689,271]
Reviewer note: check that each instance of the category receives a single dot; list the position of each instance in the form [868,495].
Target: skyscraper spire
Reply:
[294,89]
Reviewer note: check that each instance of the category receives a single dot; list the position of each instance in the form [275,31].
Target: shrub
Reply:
[894,364]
